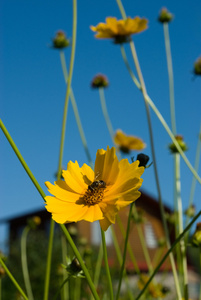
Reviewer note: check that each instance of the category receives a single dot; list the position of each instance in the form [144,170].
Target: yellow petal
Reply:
[60,190]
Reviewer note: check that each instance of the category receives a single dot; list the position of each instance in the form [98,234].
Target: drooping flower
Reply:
[127,143]
[60,41]
[90,195]
[119,30]
[99,81]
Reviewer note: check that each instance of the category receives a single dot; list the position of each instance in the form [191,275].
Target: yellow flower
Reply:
[95,195]
[127,143]
[119,30]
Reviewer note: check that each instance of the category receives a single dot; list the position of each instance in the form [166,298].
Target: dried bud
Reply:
[143,159]
[197,66]
[196,238]
[182,144]
[99,81]
[60,41]
[165,16]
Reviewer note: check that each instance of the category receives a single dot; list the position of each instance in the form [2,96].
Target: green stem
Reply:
[129,246]
[170,75]
[124,253]
[13,279]
[180,224]
[75,109]
[68,87]
[21,159]
[49,258]
[98,266]
[64,254]
[105,113]
[120,260]
[77,254]
[24,263]
[196,166]
[167,254]
[109,280]
[166,127]
[58,292]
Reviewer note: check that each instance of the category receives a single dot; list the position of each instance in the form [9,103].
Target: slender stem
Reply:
[75,109]
[196,166]
[109,280]
[13,279]
[24,263]
[167,253]
[120,260]
[98,266]
[58,292]
[170,75]
[124,253]
[21,159]
[64,253]
[77,254]
[180,224]
[49,258]
[68,86]
[105,113]
[129,246]
[168,130]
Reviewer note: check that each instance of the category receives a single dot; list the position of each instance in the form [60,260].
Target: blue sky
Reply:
[33,91]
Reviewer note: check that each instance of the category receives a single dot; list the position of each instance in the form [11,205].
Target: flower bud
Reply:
[99,81]
[60,41]
[143,159]
[197,66]
[165,16]
[182,144]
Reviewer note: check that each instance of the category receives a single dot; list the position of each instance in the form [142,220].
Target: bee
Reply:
[97,184]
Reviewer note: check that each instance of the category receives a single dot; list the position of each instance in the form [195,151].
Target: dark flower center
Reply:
[95,192]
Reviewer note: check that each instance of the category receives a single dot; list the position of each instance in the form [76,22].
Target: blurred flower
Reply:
[165,16]
[127,143]
[99,81]
[60,41]
[34,222]
[190,212]
[156,290]
[196,238]
[197,66]
[95,195]
[143,159]
[119,30]
[2,272]
[182,144]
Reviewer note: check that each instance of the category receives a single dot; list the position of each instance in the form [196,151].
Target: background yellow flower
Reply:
[95,195]
[120,30]
[127,143]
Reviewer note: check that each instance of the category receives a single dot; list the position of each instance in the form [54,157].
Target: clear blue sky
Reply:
[32,91]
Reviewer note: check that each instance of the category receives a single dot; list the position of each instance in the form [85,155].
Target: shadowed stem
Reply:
[107,269]
[13,279]
[24,263]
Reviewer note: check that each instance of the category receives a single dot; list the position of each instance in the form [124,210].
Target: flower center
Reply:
[95,192]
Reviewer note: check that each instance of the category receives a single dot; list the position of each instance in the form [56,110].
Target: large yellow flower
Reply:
[119,30]
[127,143]
[95,195]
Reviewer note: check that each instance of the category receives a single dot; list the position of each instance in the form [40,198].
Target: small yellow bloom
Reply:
[119,30]
[95,195]
[127,143]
